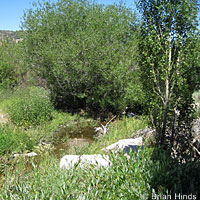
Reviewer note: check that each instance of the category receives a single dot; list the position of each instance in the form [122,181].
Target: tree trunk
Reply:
[167,91]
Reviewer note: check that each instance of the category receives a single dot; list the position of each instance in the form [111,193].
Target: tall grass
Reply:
[29,106]
[126,179]
[135,179]
[14,140]
[119,129]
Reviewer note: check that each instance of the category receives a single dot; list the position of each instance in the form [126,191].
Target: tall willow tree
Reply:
[168,64]
[85,52]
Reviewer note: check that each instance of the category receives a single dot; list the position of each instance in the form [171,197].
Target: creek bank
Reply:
[126,145]
[131,145]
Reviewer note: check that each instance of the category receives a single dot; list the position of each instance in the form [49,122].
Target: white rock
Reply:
[122,144]
[69,161]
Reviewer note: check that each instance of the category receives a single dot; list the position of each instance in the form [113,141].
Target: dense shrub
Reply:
[9,64]
[134,96]
[29,106]
[85,51]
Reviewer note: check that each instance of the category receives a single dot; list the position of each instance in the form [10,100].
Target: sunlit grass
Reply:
[124,180]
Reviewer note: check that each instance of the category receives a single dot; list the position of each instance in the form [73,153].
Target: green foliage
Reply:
[135,96]
[46,131]
[9,64]
[119,129]
[29,106]
[196,96]
[14,140]
[85,52]
[169,175]
[196,76]
[168,61]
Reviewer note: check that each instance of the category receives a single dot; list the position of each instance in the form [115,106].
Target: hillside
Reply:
[4,34]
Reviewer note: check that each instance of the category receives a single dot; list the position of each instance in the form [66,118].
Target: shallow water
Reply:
[70,139]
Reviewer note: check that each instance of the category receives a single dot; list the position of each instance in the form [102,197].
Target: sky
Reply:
[12,11]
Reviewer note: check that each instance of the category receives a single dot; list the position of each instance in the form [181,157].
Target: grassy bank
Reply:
[126,179]
[40,177]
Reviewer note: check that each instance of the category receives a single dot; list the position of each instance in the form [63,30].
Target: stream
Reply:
[72,139]
[68,140]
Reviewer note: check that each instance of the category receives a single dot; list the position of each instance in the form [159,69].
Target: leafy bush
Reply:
[85,51]
[10,65]
[134,96]
[29,106]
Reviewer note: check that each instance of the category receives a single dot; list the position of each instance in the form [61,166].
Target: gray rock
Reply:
[131,148]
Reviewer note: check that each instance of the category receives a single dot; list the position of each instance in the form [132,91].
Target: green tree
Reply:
[84,51]
[168,65]
[10,65]
[197,56]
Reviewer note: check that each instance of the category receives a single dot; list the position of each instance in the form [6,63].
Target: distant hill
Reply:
[12,35]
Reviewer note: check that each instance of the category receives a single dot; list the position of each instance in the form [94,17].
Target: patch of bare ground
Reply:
[3,117]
